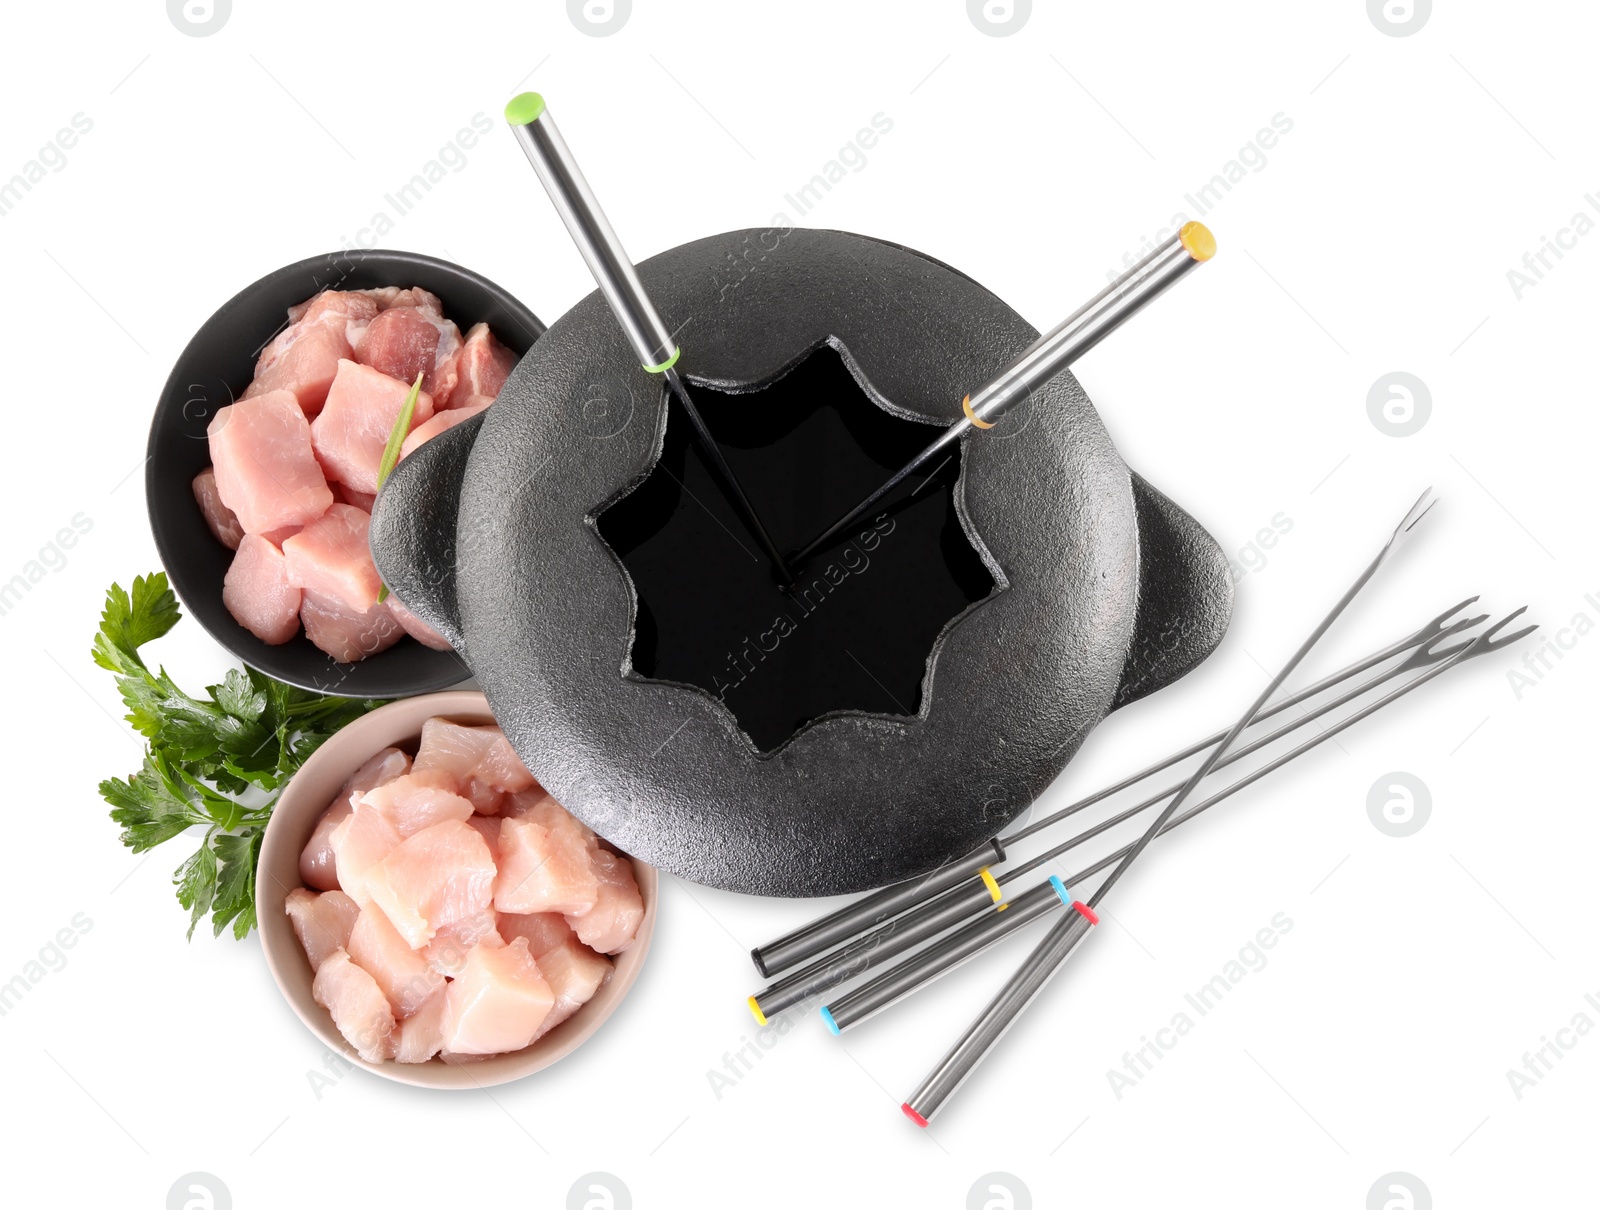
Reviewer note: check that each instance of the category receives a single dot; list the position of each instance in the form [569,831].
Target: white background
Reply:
[1376,237]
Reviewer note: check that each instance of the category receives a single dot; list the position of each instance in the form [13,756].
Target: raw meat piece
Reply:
[336,308]
[463,752]
[303,360]
[316,859]
[402,343]
[357,1004]
[412,296]
[574,973]
[482,367]
[441,382]
[402,973]
[380,770]
[543,869]
[441,421]
[345,635]
[362,500]
[485,799]
[330,557]
[257,592]
[266,470]
[350,432]
[435,878]
[488,827]
[418,800]
[219,517]
[360,842]
[422,1034]
[317,864]
[524,801]
[415,626]
[560,821]
[497,1003]
[543,930]
[447,952]
[322,922]
[610,924]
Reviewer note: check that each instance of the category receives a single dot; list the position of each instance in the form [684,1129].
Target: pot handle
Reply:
[413,535]
[1185,596]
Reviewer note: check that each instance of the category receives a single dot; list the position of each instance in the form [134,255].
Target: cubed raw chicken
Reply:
[482,367]
[485,799]
[350,432]
[402,973]
[544,930]
[447,419]
[318,867]
[440,875]
[544,868]
[402,343]
[316,859]
[330,557]
[360,842]
[463,752]
[259,594]
[357,1005]
[266,469]
[219,517]
[447,952]
[382,769]
[610,924]
[415,626]
[322,922]
[418,800]
[422,1033]
[574,973]
[345,635]
[497,1003]
[454,931]
[522,802]
[488,827]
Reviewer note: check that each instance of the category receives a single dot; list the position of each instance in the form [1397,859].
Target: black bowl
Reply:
[217,365]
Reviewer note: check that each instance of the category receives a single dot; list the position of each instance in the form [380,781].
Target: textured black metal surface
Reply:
[414,543]
[856,632]
[853,800]
[1185,596]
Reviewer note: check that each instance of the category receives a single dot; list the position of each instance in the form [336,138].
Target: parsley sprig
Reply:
[215,763]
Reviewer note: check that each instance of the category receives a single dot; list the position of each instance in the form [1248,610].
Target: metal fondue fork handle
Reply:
[602,251]
[1046,357]
[1064,937]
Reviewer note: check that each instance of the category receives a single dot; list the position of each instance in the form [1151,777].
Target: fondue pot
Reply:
[922,683]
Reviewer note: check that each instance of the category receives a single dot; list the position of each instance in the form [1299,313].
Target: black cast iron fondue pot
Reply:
[927,678]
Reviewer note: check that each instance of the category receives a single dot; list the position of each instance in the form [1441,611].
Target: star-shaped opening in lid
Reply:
[858,631]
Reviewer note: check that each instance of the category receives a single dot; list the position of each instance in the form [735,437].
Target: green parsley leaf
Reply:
[215,762]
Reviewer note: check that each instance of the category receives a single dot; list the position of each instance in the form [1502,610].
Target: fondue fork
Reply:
[602,251]
[1065,936]
[966,942]
[975,897]
[1041,361]
[854,918]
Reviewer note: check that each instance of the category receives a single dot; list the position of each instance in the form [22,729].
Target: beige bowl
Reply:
[293,819]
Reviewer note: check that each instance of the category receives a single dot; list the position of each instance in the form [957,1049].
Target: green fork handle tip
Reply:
[524,108]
